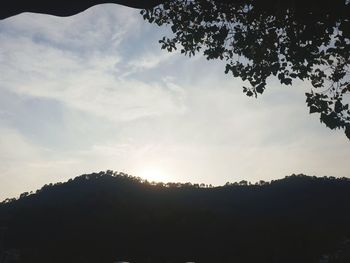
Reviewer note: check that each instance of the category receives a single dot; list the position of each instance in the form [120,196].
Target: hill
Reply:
[106,216]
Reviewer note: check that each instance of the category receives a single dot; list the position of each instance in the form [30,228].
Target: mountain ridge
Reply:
[102,217]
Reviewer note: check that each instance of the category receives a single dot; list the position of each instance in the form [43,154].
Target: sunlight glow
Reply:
[153,174]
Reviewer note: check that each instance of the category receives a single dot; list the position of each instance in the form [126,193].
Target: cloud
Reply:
[92,83]
[17,157]
[101,27]
[150,60]
[94,92]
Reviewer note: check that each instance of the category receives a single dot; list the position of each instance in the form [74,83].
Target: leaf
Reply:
[287,81]
[338,107]
[313,109]
[249,93]
[260,88]
[280,76]
[330,120]
[347,132]
[347,88]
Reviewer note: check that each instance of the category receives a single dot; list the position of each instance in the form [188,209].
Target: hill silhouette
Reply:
[107,216]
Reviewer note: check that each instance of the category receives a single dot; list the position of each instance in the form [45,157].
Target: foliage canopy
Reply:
[305,40]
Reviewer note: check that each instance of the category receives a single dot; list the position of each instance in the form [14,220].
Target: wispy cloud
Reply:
[94,92]
[90,83]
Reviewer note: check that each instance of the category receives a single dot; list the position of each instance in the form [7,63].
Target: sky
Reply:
[94,91]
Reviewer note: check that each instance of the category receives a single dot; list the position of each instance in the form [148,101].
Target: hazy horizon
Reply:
[94,92]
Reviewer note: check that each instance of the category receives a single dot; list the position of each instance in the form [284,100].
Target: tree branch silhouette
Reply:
[260,39]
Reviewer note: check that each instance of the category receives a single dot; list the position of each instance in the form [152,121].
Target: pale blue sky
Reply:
[94,92]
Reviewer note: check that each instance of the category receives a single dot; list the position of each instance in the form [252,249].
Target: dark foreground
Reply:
[107,217]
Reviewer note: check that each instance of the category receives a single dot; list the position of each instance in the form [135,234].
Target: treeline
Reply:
[135,179]
[111,216]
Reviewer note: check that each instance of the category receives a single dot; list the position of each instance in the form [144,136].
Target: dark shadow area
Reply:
[63,7]
[106,217]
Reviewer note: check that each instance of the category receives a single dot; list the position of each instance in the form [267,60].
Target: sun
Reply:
[153,174]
